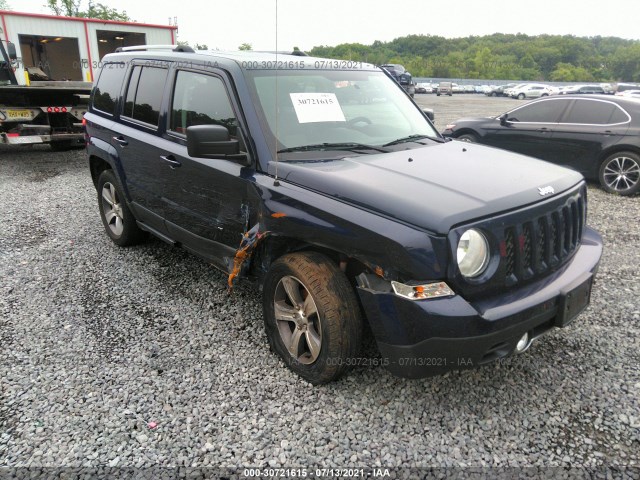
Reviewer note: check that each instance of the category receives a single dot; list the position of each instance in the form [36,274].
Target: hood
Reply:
[473,119]
[435,187]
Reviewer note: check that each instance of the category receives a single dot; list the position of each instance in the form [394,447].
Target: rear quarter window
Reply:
[107,90]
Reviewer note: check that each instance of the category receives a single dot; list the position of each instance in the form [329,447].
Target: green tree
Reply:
[245,46]
[626,64]
[72,8]
[4,5]
[502,56]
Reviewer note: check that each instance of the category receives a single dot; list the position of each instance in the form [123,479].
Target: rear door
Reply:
[136,136]
[587,128]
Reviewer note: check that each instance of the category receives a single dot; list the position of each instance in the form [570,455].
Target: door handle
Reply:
[121,140]
[544,130]
[171,160]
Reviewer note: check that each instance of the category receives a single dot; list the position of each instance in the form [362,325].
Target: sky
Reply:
[225,25]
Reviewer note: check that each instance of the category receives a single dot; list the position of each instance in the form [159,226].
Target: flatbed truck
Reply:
[42,112]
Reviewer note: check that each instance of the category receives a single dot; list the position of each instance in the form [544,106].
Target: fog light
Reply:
[523,343]
[422,292]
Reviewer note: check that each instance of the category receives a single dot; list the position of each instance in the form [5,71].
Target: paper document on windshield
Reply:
[317,107]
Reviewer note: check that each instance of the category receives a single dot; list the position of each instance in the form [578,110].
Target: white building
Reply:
[68,48]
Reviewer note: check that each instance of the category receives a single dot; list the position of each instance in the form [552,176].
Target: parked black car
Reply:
[582,89]
[322,182]
[597,135]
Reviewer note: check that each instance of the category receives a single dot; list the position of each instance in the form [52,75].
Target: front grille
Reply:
[532,248]
[533,242]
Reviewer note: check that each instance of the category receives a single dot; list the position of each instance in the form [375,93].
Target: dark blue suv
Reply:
[322,181]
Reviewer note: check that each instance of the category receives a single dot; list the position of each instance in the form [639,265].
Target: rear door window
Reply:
[594,112]
[144,94]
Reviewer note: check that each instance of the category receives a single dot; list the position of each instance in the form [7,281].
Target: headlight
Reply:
[473,253]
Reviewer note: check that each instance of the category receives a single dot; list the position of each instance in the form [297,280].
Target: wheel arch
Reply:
[97,165]
[276,246]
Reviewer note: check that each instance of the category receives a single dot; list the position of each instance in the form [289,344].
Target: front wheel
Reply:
[468,137]
[521,96]
[312,317]
[620,173]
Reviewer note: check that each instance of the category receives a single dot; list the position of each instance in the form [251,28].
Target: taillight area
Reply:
[57,109]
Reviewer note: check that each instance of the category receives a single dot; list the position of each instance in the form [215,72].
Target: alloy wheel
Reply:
[298,320]
[621,173]
[112,209]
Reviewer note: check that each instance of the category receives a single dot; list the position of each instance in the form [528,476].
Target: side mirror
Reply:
[429,113]
[212,141]
[503,119]
[11,51]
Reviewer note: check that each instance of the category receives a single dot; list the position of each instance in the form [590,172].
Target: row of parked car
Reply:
[523,91]
[450,87]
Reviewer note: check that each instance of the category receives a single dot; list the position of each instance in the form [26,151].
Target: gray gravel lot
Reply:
[98,341]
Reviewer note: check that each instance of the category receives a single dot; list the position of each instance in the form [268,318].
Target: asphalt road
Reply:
[448,109]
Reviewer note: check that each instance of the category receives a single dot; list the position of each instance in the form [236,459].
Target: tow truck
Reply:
[40,112]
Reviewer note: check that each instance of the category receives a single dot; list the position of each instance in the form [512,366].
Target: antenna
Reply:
[276,183]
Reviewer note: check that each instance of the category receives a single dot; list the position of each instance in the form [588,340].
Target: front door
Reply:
[207,202]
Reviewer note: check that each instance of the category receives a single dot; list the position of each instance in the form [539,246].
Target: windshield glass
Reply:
[327,113]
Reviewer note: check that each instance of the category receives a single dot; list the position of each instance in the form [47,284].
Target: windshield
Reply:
[331,114]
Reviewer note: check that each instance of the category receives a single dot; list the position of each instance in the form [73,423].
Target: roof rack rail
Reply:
[173,48]
[297,53]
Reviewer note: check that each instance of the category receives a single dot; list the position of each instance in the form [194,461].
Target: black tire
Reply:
[117,219]
[468,137]
[493,94]
[521,96]
[620,173]
[324,330]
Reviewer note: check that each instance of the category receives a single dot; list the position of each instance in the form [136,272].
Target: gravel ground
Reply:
[137,357]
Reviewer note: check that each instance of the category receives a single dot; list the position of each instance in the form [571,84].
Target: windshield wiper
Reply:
[349,146]
[411,138]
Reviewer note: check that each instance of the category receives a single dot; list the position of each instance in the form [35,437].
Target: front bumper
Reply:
[429,337]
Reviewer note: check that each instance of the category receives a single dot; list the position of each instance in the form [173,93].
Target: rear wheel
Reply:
[117,219]
[312,317]
[620,173]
